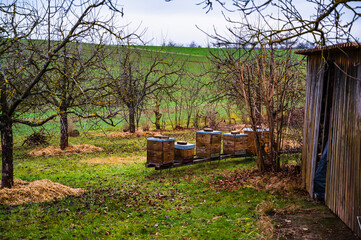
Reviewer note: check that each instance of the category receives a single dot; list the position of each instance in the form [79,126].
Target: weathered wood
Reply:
[314,89]
[160,151]
[343,175]
[263,135]
[183,155]
[184,152]
[208,144]
[235,144]
[333,112]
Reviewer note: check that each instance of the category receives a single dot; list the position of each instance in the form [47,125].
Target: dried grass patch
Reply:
[283,182]
[131,135]
[139,133]
[266,209]
[37,191]
[116,160]
[266,227]
[56,151]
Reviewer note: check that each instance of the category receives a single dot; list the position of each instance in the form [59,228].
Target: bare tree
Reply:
[269,83]
[138,74]
[77,85]
[24,60]
[194,93]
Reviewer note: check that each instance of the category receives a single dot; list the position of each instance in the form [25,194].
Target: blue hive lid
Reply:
[236,135]
[258,130]
[184,147]
[212,133]
[160,140]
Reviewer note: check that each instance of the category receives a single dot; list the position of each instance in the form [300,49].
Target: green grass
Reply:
[134,202]
[131,201]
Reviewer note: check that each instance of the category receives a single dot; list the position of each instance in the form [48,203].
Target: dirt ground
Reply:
[289,222]
[311,225]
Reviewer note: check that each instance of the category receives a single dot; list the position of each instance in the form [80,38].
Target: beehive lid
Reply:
[236,135]
[181,145]
[161,136]
[213,132]
[258,130]
[160,139]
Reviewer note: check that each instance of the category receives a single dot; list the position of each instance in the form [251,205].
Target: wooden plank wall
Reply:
[314,89]
[343,186]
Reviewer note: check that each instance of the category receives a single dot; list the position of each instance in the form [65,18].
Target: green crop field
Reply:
[198,71]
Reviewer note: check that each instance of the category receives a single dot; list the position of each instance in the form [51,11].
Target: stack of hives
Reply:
[263,135]
[163,151]
[160,150]
[235,143]
[208,143]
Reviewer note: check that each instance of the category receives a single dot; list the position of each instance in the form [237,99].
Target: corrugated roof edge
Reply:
[336,47]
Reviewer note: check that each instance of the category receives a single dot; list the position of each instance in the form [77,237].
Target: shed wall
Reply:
[343,186]
[342,71]
[314,89]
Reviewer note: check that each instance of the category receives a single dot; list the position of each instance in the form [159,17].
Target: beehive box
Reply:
[235,143]
[160,150]
[184,152]
[263,135]
[208,143]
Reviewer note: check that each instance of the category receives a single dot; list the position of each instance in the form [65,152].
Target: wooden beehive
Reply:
[184,152]
[235,143]
[208,143]
[160,150]
[263,135]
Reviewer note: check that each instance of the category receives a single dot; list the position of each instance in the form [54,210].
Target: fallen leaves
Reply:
[272,182]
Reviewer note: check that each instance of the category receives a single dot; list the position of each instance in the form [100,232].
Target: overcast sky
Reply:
[177,20]
[172,21]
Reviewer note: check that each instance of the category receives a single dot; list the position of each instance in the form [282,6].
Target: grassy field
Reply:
[125,200]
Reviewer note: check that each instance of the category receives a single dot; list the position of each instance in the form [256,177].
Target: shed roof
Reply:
[333,48]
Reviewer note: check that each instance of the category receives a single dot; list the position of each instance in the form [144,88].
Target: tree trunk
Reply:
[189,120]
[64,141]
[158,116]
[7,154]
[131,120]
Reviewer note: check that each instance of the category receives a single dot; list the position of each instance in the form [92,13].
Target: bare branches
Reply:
[34,36]
[266,82]
[281,20]
[139,74]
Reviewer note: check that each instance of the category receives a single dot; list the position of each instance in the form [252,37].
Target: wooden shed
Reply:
[333,128]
